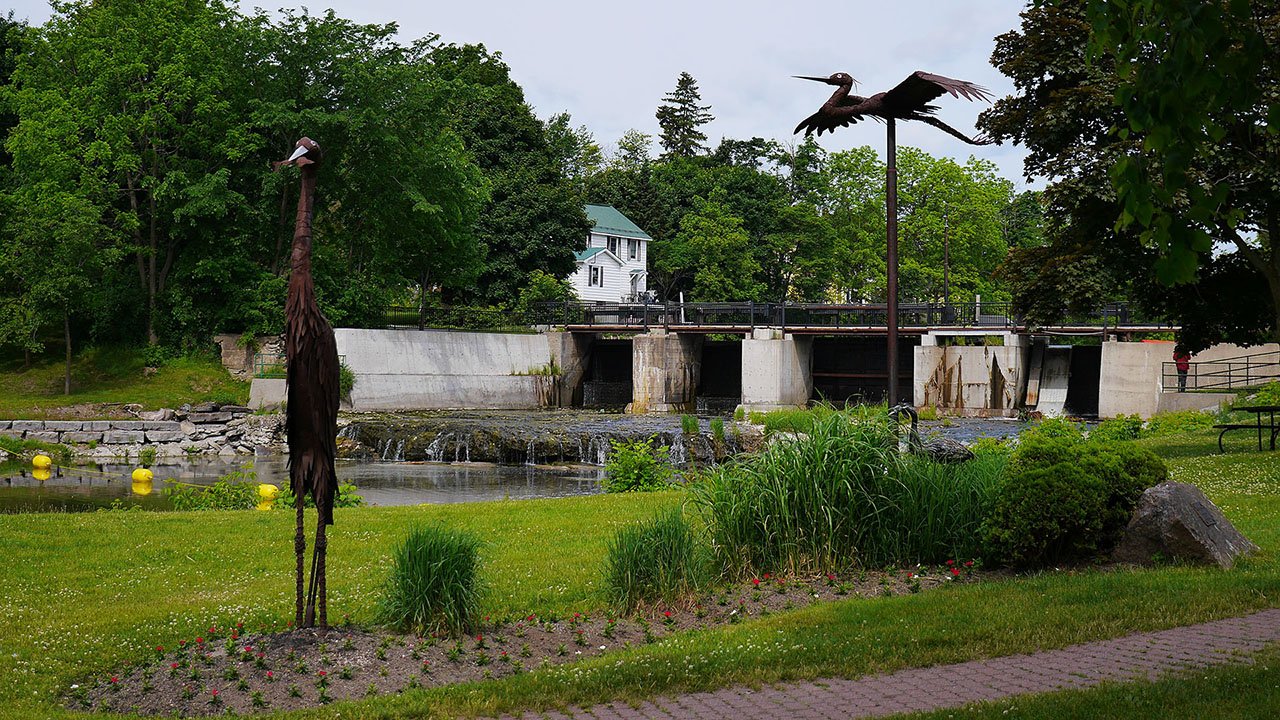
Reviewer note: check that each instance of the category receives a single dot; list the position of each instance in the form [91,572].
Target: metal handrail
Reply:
[1233,373]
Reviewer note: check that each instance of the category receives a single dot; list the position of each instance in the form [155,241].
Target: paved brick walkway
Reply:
[1145,655]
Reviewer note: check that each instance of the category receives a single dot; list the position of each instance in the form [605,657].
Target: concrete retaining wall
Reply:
[206,431]
[429,370]
[1131,378]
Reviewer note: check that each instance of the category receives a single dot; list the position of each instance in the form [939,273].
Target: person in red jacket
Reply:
[1182,361]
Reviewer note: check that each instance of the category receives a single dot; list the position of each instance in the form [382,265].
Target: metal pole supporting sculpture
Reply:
[908,101]
[311,413]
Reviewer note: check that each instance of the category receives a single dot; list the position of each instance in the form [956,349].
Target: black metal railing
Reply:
[748,315]
[1233,373]
[273,365]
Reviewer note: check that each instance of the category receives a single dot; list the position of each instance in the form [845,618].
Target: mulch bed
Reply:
[230,670]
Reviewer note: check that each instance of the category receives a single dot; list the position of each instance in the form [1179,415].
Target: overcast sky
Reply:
[609,64]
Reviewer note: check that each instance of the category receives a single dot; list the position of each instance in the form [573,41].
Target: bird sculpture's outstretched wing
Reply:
[823,121]
[920,87]
[980,140]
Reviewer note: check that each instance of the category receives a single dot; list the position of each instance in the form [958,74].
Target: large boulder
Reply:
[1176,521]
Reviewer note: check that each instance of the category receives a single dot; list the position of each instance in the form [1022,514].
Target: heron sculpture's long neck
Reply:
[301,287]
[841,93]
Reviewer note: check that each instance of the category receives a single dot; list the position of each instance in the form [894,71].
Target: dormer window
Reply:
[613,245]
[633,249]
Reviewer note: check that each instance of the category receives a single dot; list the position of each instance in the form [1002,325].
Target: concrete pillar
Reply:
[665,368]
[571,353]
[777,370]
[972,381]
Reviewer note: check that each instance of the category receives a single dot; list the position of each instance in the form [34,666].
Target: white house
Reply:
[613,267]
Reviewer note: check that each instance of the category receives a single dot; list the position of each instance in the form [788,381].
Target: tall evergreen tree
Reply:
[680,117]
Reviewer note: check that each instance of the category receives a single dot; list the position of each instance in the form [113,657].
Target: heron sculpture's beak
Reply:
[295,159]
[810,77]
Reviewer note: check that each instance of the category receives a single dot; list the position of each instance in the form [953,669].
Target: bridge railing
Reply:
[747,315]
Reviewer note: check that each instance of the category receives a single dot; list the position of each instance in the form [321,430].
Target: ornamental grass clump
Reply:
[434,583]
[659,559]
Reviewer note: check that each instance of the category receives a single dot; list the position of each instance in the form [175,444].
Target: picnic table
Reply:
[1262,427]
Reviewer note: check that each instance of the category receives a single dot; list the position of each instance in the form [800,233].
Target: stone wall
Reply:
[204,429]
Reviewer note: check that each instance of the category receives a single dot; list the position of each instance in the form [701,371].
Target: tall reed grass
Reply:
[658,559]
[434,583]
[843,495]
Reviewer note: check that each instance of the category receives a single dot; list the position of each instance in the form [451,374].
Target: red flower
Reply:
[173,666]
[911,575]
[766,576]
[968,563]
[114,679]
[756,581]
[666,613]
[213,693]
[200,640]
[951,562]
[160,648]
[955,571]
[322,673]
[182,643]
[240,625]
[831,577]
[530,618]
[248,648]
[270,675]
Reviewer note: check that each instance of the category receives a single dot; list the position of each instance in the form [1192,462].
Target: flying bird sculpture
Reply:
[908,101]
[311,414]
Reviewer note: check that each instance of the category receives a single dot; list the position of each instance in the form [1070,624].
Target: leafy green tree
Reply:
[534,219]
[1067,102]
[681,118]
[1199,84]
[575,150]
[714,250]
[798,257]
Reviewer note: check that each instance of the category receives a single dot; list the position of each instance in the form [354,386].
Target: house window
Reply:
[613,245]
[633,249]
[597,277]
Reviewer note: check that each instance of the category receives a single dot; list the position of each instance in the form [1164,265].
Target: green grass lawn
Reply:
[83,594]
[113,375]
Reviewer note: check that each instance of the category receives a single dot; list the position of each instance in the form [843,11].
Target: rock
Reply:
[204,407]
[161,414]
[208,417]
[1177,521]
[132,408]
[238,409]
[122,437]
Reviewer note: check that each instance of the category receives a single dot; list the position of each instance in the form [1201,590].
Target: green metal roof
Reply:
[582,255]
[608,221]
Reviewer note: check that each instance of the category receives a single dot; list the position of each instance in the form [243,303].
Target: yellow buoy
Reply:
[268,492]
[142,475]
[41,462]
[265,505]
[41,474]
[141,487]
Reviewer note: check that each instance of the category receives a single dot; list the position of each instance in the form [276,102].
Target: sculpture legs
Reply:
[322,550]
[300,551]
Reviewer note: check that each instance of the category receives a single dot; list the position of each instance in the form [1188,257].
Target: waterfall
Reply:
[398,455]
[435,451]
[350,432]
[462,450]
[597,450]
[677,454]
[531,454]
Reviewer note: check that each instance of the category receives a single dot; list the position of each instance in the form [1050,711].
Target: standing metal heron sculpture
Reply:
[908,101]
[311,413]
[940,449]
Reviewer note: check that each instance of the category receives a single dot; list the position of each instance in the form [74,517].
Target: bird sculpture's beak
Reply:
[810,77]
[294,159]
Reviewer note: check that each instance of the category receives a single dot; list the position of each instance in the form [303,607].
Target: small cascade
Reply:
[597,450]
[703,450]
[394,456]
[350,432]
[435,451]
[462,450]
[677,453]
[531,454]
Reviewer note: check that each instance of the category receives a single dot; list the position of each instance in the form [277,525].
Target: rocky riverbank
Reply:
[204,429]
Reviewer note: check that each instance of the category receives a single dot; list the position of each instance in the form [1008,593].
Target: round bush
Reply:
[636,466]
[434,581]
[1045,515]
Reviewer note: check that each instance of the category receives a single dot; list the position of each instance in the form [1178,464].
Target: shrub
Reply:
[1047,514]
[1121,427]
[636,466]
[1065,499]
[688,425]
[348,495]
[1054,427]
[346,380]
[991,446]
[434,582]
[659,559]
[1173,423]
[230,492]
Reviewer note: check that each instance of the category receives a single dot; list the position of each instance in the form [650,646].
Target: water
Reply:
[76,489]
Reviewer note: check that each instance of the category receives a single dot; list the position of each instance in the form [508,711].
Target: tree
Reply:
[534,219]
[1066,104]
[681,117]
[575,150]
[715,251]
[1199,84]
